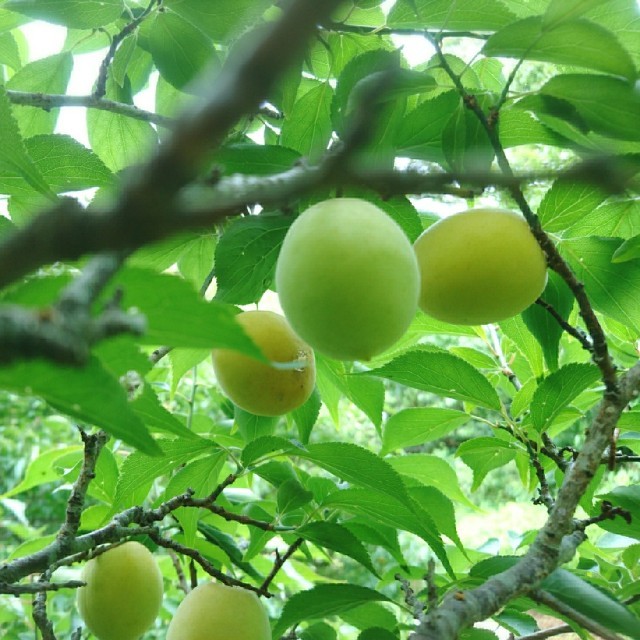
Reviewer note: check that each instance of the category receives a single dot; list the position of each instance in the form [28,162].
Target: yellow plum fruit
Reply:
[214,611]
[479,266]
[123,594]
[347,279]
[258,387]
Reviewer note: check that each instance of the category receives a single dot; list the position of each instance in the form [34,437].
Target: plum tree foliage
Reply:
[245,159]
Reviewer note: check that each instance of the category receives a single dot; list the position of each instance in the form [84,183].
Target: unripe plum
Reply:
[260,388]
[347,279]
[479,266]
[214,611]
[123,594]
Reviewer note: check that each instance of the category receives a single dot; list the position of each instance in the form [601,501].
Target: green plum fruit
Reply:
[214,611]
[347,279]
[260,388]
[123,594]
[479,266]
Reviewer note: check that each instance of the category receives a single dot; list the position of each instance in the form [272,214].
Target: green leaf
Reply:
[382,508]
[246,257]
[251,426]
[564,10]
[47,75]
[87,393]
[577,42]
[9,52]
[66,164]
[306,416]
[628,250]
[421,132]
[323,601]
[365,392]
[440,373]
[292,495]
[402,210]
[414,426]
[440,508]
[567,202]
[371,614]
[518,127]
[140,470]
[196,261]
[622,18]
[516,330]
[431,471]
[355,77]
[44,469]
[183,360]
[618,218]
[318,631]
[357,465]
[483,455]
[308,127]
[263,446]
[330,535]
[608,105]
[254,159]
[179,49]
[559,389]
[219,19]
[148,408]
[627,498]
[592,602]
[226,542]
[200,476]
[543,325]
[465,143]
[377,633]
[13,154]
[611,286]
[76,14]
[166,301]
[119,141]
[472,15]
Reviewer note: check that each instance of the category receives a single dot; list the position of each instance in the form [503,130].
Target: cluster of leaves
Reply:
[330,496]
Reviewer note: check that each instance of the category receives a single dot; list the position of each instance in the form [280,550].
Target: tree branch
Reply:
[66,331]
[556,541]
[92,446]
[48,101]
[565,610]
[67,232]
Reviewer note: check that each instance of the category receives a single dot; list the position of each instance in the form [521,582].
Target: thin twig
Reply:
[279,563]
[417,607]
[177,565]
[203,562]
[543,597]
[37,587]
[578,334]
[548,633]
[101,83]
